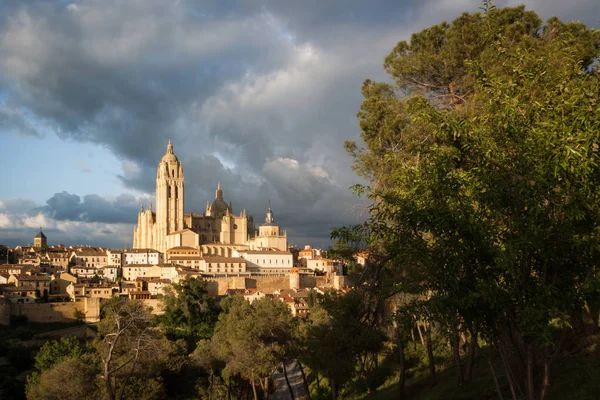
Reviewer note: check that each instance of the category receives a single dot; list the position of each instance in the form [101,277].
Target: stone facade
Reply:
[169,226]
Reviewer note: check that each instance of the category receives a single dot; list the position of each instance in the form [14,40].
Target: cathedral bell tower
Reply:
[169,197]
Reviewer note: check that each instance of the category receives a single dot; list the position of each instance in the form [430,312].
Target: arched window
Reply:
[169,192]
[176,192]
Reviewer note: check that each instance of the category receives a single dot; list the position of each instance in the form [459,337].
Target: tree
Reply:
[190,313]
[205,358]
[54,351]
[341,338]
[484,163]
[71,378]
[127,343]
[252,338]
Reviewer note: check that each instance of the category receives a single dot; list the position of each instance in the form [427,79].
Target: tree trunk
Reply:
[420,334]
[430,355]
[513,351]
[495,378]
[254,388]
[588,320]
[546,380]
[471,357]
[333,389]
[287,381]
[456,356]
[110,394]
[530,380]
[401,361]
[508,372]
[266,387]
[304,380]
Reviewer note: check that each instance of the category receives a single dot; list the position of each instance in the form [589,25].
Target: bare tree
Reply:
[127,338]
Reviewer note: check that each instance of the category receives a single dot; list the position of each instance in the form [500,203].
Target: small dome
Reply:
[169,155]
[219,207]
[269,218]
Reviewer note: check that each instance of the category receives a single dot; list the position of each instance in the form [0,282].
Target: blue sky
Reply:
[257,94]
[50,164]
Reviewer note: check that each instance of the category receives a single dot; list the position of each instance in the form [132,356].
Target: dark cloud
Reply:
[257,94]
[65,206]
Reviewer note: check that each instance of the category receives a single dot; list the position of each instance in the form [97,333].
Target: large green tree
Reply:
[190,313]
[253,339]
[484,168]
[342,339]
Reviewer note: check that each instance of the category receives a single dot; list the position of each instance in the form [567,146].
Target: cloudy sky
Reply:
[257,94]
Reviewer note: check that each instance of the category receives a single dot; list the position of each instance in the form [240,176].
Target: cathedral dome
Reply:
[218,206]
[169,155]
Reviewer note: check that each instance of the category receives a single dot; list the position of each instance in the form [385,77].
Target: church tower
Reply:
[40,240]
[169,197]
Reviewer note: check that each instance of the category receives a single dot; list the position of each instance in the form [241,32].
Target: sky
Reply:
[257,94]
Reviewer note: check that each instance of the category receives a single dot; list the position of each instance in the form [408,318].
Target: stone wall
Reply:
[156,306]
[58,312]
[47,312]
[265,284]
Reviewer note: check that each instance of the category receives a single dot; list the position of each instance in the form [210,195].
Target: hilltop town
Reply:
[222,248]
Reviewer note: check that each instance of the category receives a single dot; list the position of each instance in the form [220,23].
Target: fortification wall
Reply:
[156,306]
[58,312]
[47,312]
[266,284]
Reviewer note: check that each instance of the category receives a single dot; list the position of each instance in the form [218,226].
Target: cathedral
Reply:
[170,227]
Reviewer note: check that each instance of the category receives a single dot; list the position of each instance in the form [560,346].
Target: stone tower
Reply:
[169,197]
[40,240]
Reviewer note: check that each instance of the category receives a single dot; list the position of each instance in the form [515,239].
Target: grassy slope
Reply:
[574,376]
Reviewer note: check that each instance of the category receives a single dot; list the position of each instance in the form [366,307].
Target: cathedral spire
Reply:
[269,218]
[219,192]
[170,155]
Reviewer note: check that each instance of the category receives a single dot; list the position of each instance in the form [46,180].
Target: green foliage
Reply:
[190,313]
[70,378]
[340,338]
[55,351]
[251,339]
[484,167]
[79,315]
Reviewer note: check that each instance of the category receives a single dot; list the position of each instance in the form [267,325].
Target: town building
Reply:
[324,265]
[89,257]
[267,261]
[142,256]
